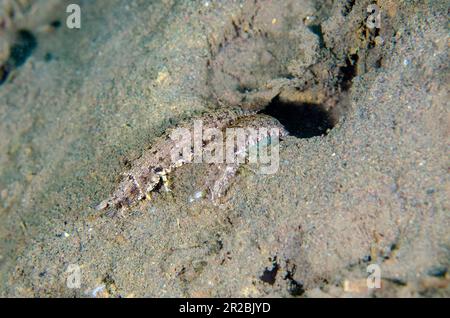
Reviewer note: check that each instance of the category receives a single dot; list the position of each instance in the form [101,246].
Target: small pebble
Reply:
[197,195]
[97,290]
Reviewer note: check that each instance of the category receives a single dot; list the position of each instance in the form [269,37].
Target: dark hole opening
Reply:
[269,275]
[21,50]
[302,120]
[295,288]
[317,30]
[23,47]
[349,71]
[4,72]
[56,24]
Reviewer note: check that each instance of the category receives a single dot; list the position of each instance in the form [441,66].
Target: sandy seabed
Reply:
[369,186]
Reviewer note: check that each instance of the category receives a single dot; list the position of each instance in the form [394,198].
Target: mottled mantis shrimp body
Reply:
[156,164]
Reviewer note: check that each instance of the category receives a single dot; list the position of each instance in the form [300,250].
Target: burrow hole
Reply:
[22,48]
[307,120]
[302,120]
[270,274]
